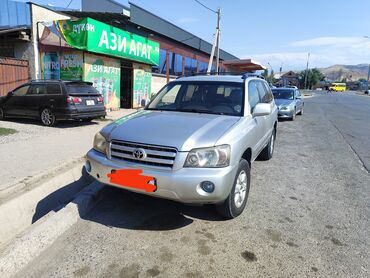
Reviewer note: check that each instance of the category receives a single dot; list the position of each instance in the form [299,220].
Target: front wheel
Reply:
[294,114]
[301,112]
[47,117]
[235,203]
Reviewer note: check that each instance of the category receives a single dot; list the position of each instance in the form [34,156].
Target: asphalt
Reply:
[308,214]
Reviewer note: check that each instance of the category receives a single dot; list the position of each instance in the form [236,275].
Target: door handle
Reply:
[51,99]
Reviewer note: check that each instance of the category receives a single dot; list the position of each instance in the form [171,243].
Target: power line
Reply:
[200,3]
[70,2]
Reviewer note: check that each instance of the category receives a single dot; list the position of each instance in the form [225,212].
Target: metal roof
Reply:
[104,10]
[14,14]
[147,19]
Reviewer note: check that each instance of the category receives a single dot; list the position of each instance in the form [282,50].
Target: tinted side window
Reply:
[253,96]
[265,93]
[53,89]
[37,89]
[269,95]
[21,91]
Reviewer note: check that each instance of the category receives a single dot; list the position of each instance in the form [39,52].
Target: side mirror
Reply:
[262,109]
[10,93]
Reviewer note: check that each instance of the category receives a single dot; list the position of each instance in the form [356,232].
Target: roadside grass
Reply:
[7,131]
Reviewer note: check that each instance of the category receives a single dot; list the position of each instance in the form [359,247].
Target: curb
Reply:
[34,200]
[41,235]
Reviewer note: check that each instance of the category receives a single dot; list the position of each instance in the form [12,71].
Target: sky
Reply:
[277,33]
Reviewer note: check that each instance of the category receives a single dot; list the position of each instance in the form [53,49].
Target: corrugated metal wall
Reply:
[13,72]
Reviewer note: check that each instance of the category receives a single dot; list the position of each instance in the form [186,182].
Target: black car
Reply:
[53,100]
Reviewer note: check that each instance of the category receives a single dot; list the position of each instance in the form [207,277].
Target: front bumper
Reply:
[181,185]
[285,114]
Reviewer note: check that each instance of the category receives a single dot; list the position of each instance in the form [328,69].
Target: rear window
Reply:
[81,89]
[53,89]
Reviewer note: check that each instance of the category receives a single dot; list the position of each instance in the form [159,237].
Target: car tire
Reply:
[268,151]
[294,114]
[301,112]
[2,115]
[235,203]
[47,117]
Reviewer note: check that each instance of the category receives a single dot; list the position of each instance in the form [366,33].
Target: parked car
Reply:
[193,143]
[53,100]
[289,102]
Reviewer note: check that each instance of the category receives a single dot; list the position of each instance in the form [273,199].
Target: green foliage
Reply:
[7,131]
[314,76]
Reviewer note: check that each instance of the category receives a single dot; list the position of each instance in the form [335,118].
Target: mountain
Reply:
[348,72]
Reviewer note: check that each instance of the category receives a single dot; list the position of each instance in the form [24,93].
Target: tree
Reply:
[314,76]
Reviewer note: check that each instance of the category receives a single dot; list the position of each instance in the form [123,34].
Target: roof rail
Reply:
[243,75]
[48,80]
[249,74]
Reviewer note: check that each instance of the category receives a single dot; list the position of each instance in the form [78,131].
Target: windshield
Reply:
[81,89]
[224,98]
[283,94]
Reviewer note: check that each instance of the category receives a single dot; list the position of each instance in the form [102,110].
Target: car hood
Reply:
[281,102]
[181,130]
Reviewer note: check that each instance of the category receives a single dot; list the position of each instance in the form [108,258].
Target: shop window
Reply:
[175,62]
[190,65]
[162,63]
[203,66]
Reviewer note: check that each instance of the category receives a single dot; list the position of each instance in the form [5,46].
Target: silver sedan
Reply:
[289,102]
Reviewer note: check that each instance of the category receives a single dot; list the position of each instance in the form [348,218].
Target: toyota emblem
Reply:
[139,154]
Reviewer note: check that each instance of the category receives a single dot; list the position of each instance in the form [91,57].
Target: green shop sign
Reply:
[95,36]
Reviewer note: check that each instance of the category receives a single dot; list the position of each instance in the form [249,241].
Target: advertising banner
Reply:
[71,63]
[95,36]
[50,65]
[142,85]
[105,74]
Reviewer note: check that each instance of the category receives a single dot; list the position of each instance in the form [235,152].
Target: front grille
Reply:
[158,156]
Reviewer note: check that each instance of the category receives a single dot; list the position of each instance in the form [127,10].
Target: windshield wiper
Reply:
[205,111]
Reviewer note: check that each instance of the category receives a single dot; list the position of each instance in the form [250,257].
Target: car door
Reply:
[54,97]
[298,99]
[14,105]
[265,97]
[35,99]
[257,122]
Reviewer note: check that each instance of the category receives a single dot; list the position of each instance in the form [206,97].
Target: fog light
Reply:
[88,166]
[207,186]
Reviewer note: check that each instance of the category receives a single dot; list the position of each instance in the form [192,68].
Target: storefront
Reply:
[117,62]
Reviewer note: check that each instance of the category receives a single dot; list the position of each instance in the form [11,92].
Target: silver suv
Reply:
[193,143]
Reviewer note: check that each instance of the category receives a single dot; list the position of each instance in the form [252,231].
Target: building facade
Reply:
[127,53]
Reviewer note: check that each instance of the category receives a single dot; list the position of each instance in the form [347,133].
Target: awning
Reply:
[244,65]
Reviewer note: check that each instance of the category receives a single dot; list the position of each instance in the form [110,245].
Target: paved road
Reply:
[308,215]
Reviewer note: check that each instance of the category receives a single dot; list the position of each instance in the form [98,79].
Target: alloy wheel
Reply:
[240,191]
[46,116]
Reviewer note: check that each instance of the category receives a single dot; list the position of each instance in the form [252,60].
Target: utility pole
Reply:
[215,46]
[305,78]
[367,83]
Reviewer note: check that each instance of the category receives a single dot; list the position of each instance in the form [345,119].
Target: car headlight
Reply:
[209,157]
[100,143]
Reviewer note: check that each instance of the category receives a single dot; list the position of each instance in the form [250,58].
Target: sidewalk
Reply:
[35,149]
